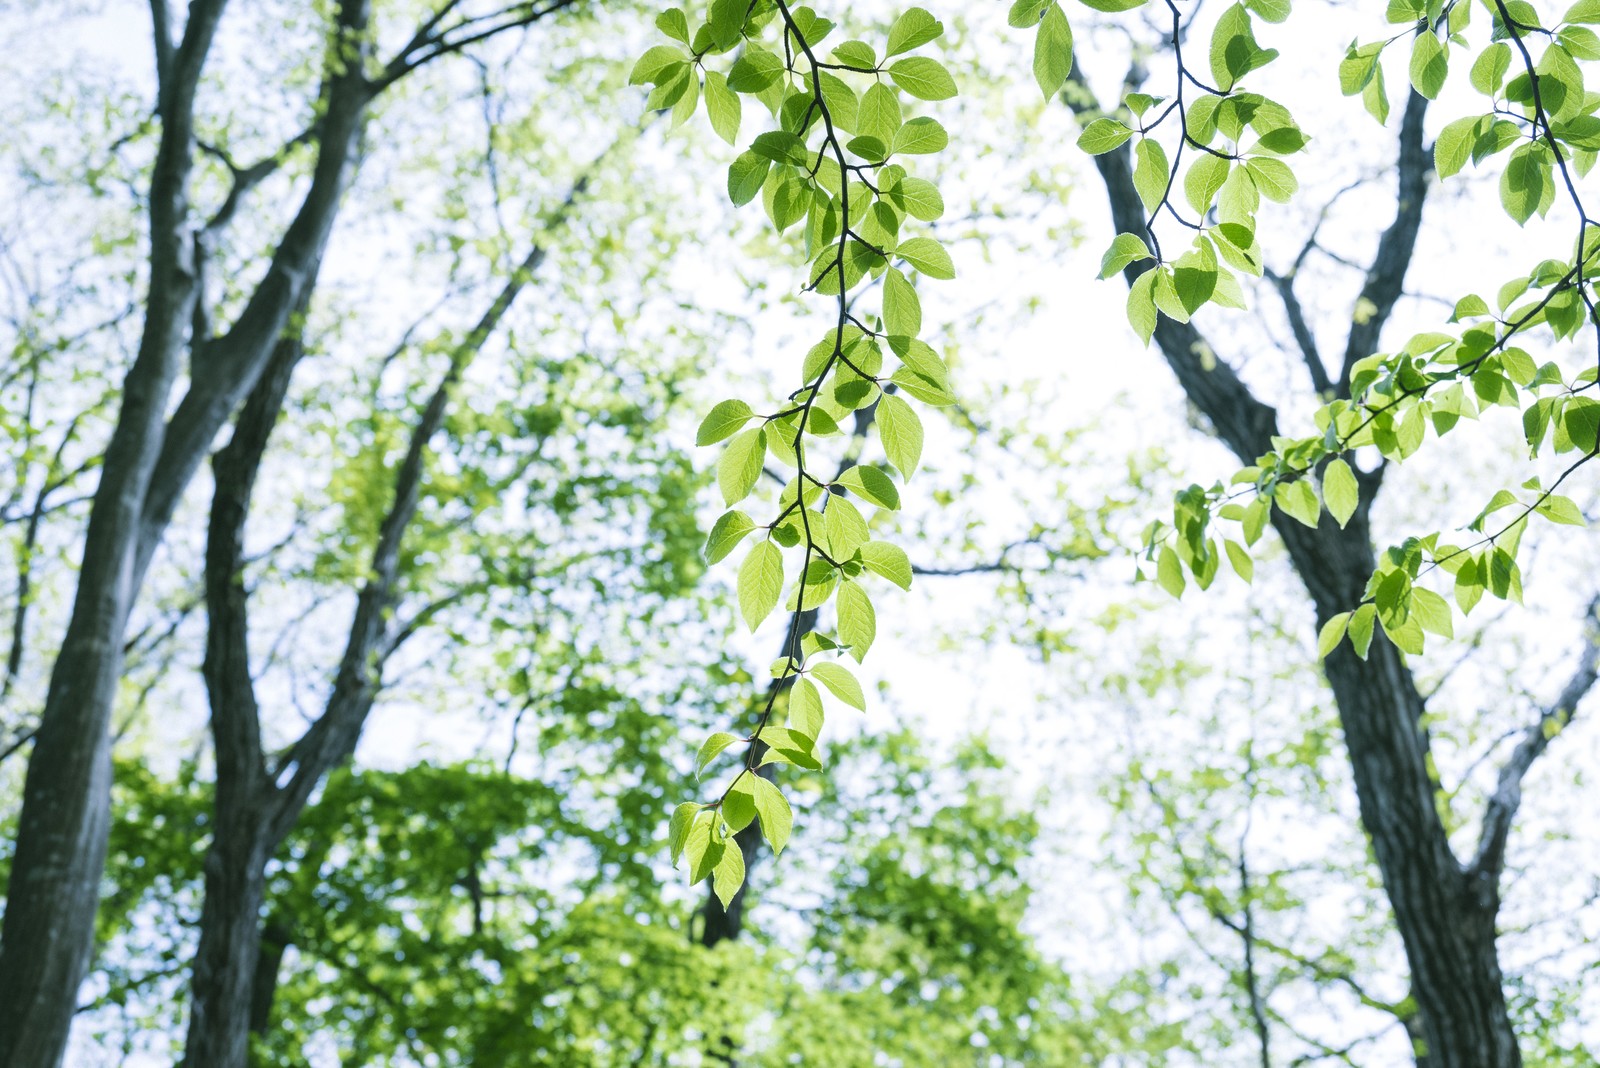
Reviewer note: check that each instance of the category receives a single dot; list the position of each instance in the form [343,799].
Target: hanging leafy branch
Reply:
[833,166]
[1540,111]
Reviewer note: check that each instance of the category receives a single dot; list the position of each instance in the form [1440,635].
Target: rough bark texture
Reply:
[61,844]
[48,934]
[1446,923]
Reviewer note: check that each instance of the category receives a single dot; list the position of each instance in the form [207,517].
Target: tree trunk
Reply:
[1448,932]
[1445,920]
[48,934]
[223,988]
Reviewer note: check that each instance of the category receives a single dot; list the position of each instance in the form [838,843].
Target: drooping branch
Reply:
[1489,860]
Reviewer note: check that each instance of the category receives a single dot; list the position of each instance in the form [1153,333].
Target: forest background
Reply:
[1077,822]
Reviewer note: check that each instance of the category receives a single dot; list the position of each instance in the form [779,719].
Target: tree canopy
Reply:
[449,520]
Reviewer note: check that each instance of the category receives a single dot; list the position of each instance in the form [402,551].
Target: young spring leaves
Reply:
[836,168]
[1540,122]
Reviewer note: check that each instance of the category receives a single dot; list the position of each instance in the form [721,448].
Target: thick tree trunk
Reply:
[1447,930]
[223,988]
[48,934]
[1445,919]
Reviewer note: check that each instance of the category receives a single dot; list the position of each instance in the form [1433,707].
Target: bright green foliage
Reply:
[835,165]
[1540,118]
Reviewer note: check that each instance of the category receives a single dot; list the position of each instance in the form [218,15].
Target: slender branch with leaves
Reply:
[836,167]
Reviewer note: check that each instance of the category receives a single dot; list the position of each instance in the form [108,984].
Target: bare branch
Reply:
[430,42]
[1303,337]
[1507,797]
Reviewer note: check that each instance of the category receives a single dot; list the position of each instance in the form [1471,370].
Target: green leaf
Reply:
[1488,72]
[1361,628]
[920,137]
[1151,173]
[1125,249]
[1142,305]
[914,28]
[805,709]
[902,310]
[1113,6]
[1052,51]
[728,875]
[726,533]
[722,107]
[1583,11]
[858,622]
[1298,500]
[901,432]
[760,583]
[1239,559]
[780,146]
[772,808]
[1103,135]
[1357,68]
[842,684]
[1432,612]
[1527,185]
[740,465]
[919,197]
[923,78]
[1273,178]
[674,23]
[746,175]
[1169,572]
[1375,97]
[879,113]
[1340,491]
[723,421]
[872,485]
[711,748]
[726,22]
[1025,13]
[927,256]
[755,71]
[1284,141]
[1429,65]
[846,528]
[856,54]
[1560,509]
[678,830]
[1234,52]
[654,64]
[888,560]
[1205,177]
[1454,145]
[1332,634]
[739,804]
[702,850]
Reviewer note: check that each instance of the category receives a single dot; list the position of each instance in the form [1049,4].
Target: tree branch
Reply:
[1489,860]
[1243,422]
[1387,273]
[1303,336]
[332,738]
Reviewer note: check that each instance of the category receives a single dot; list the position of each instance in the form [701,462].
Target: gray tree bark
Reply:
[1445,910]
[48,933]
